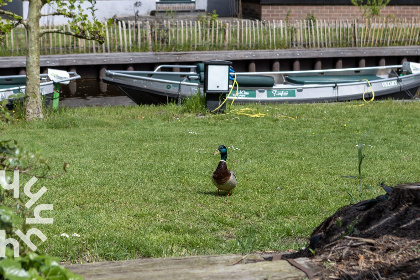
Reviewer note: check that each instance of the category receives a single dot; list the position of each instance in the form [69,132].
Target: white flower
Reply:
[75,234]
[65,235]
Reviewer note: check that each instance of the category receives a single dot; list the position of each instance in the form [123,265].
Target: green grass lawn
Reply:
[139,183]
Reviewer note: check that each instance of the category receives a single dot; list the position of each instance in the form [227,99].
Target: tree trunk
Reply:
[405,194]
[33,100]
[396,213]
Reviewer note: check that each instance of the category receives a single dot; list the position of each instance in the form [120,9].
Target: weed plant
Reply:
[360,186]
[195,104]
[139,180]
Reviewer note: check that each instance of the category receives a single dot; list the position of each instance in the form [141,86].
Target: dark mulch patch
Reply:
[375,239]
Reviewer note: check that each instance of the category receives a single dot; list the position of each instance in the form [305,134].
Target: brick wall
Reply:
[297,12]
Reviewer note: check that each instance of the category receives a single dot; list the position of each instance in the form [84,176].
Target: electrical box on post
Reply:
[216,83]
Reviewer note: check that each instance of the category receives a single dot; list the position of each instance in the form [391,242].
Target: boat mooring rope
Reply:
[371,89]
[363,96]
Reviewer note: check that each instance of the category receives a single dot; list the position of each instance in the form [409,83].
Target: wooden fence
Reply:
[185,35]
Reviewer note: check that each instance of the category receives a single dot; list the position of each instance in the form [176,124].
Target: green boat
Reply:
[180,81]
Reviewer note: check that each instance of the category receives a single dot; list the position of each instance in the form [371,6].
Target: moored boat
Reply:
[180,81]
[13,86]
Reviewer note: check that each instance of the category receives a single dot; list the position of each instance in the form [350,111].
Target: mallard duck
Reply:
[223,178]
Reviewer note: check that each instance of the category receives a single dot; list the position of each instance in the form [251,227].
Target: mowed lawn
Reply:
[139,183]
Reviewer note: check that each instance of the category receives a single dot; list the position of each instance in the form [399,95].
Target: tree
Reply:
[79,27]
[239,9]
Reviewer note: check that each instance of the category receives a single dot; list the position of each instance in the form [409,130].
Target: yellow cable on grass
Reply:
[244,112]
[237,89]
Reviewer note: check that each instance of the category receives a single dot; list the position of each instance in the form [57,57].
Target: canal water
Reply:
[92,92]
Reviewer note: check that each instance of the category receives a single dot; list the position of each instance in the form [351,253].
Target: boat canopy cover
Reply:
[255,81]
[200,71]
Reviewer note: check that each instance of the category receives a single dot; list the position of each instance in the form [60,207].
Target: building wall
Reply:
[121,8]
[201,4]
[105,9]
[15,7]
[298,12]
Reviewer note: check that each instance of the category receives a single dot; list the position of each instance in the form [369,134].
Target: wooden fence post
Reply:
[149,36]
[226,36]
[106,38]
[121,36]
[12,40]
[124,28]
[221,35]
[139,35]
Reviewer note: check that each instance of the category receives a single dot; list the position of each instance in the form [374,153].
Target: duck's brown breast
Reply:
[221,175]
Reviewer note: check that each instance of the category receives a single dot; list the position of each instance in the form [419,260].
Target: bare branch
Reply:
[83,35]
[8,13]
[17,19]
[69,15]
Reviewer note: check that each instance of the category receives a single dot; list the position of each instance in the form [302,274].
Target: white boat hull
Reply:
[346,84]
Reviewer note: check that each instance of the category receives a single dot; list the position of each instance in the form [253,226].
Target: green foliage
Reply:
[6,23]
[287,19]
[351,228]
[310,17]
[360,157]
[209,19]
[81,27]
[34,266]
[195,104]
[370,7]
[6,116]
[170,14]
[313,251]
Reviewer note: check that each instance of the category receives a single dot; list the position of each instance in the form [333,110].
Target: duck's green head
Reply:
[222,151]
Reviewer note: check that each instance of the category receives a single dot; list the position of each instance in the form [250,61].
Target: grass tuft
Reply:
[195,104]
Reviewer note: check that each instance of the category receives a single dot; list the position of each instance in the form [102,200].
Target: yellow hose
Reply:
[237,89]
[363,96]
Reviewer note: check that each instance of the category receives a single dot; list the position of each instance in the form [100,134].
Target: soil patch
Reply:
[373,239]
